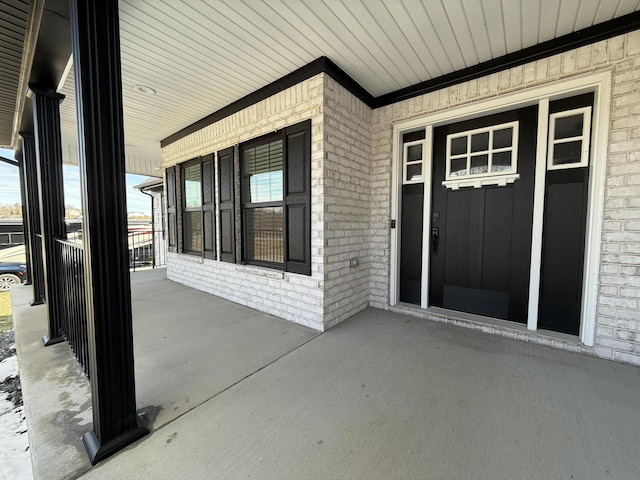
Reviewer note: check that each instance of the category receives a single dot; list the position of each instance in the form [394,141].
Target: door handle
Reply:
[435,239]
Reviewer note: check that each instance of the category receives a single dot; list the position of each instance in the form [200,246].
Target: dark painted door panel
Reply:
[482,265]
[411,243]
[564,231]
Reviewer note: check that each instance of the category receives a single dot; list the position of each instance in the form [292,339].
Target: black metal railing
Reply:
[74,317]
[11,239]
[141,248]
[72,289]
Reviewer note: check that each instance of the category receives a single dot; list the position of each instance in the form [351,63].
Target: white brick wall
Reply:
[297,298]
[618,313]
[347,211]
[340,227]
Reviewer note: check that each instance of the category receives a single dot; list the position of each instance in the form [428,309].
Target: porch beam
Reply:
[48,140]
[31,211]
[96,52]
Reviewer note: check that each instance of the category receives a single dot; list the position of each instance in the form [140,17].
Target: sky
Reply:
[10,187]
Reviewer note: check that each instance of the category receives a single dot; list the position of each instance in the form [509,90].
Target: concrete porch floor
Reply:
[229,392]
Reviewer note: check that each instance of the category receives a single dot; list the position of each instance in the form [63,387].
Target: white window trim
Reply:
[478,180]
[584,138]
[598,82]
[406,163]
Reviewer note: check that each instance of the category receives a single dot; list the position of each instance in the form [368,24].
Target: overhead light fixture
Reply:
[144,89]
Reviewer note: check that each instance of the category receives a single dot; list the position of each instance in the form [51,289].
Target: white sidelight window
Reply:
[569,133]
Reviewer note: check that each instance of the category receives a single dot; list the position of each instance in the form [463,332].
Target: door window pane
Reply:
[503,138]
[501,162]
[479,164]
[414,172]
[566,153]
[414,153]
[568,127]
[459,145]
[458,167]
[480,142]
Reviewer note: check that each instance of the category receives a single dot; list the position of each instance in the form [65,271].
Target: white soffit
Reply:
[200,56]
[142,149]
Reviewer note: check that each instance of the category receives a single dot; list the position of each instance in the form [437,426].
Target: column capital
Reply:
[46,93]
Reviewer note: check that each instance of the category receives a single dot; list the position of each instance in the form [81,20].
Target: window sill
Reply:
[191,257]
[260,271]
[478,182]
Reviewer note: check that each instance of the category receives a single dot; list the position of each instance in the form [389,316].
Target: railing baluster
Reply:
[140,245]
[74,322]
[74,319]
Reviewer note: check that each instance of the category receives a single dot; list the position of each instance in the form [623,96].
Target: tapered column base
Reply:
[98,452]
[48,341]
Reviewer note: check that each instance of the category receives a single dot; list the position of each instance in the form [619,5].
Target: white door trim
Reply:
[427,166]
[595,207]
[600,82]
[396,190]
[538,214]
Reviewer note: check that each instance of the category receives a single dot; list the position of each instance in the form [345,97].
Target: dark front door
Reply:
[481,235]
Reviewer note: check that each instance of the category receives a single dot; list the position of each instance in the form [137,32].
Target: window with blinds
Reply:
[191,212]
[275,173]
[262,194]
[274,206]
[262,173]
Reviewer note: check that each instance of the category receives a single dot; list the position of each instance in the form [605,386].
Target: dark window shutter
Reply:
[226,205]
[172,226]
[297,214]
[208,207]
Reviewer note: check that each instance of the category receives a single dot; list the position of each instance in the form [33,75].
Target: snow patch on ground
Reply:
[14,441]
[8,368]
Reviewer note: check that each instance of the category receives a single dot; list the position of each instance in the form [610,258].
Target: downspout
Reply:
[153,230]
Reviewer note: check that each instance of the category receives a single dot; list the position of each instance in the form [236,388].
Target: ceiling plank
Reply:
[460,25]
[475,18]
[606,10]
[627,6]
[512,18]
[586,15]
[567,17]
[548,20]
[495,24]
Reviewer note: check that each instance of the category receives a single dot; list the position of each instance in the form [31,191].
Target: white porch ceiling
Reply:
[200,56]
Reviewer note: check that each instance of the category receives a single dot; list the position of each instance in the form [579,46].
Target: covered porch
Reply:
[229,392]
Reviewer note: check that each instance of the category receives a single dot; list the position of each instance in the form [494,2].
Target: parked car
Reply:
[12,273]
